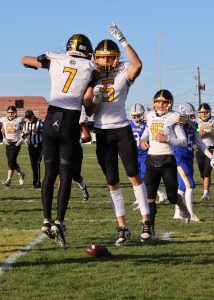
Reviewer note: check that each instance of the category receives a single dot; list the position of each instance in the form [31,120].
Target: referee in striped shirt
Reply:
[32,132]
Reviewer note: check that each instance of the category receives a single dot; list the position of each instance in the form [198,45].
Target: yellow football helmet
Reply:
[165,96]
[204,111]
[107,49]
[79,45]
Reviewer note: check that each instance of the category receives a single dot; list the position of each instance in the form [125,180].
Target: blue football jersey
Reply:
[187,152]
[137,132]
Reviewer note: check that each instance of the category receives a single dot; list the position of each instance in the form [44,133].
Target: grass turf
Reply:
[178,266]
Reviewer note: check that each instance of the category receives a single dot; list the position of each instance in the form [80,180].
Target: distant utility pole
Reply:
[200,86]
[160,34]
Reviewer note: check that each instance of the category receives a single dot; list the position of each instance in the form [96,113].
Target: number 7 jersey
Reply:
[69,77]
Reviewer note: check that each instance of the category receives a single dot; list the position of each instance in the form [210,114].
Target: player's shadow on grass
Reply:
[20,198]
[160,258]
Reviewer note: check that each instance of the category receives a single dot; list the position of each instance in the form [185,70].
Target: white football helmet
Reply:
[187,110]
[137,113]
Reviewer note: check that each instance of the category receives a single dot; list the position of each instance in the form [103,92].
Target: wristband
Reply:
[123,42]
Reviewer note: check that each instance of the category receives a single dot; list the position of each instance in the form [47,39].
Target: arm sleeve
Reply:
[145,135]
[180,138]
[199,142]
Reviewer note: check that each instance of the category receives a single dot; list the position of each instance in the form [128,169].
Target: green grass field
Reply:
[180,265]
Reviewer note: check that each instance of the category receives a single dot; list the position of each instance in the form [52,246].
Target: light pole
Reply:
[201,87]
[160,34]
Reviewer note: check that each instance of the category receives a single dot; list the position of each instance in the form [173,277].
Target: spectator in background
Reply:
[32,132]
[11,131]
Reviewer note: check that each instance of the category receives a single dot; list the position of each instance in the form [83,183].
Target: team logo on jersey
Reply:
[56,123]
[72,62]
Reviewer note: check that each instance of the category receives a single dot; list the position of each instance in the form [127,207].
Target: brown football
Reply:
[97,251]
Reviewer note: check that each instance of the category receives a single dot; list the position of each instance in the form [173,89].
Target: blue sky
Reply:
[176,35]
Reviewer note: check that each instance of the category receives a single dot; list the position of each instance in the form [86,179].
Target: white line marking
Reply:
[8,263]
[166,236]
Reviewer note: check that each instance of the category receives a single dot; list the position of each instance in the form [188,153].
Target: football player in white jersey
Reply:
[161,133]
[113,132]
[11,130]
[138,125]
[70,75]
[205,123]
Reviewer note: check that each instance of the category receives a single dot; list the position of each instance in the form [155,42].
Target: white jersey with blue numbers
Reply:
[111,111]
[207,126]
[69,77]
[137,131]
[167,124]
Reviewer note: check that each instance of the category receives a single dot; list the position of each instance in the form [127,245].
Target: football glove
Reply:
[21,141]
[98,93]
[5,141]
[117,34]
[212,162]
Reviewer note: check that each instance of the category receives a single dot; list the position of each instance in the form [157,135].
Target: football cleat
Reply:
[185,215]
[124,236]
[163,200]
[205,197]
[85,193]
[146,232]
[135,206]
[194,218]
[46,228]
[7,182]
[58,232]
[177,216]
[21,178]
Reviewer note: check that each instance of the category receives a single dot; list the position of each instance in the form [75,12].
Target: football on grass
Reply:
[97,251]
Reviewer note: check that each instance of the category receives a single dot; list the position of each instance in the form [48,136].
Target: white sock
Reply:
[177,209]
[141,198]
[189,200]
[117,202]
[206,192]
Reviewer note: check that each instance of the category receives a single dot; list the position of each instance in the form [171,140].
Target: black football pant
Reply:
[12,152]
[110,143]
[35,154]
[62,156]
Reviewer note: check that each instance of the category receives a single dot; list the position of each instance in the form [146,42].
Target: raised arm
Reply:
[136,64]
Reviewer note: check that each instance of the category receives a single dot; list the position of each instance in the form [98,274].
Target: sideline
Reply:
[8,263]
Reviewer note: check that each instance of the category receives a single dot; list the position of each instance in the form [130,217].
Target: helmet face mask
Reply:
[137,114]
[204,111]
[187,110]
[107,55]
[162,102]
[79,45]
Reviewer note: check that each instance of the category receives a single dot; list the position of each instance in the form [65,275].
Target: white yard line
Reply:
[166,236]
[8,263]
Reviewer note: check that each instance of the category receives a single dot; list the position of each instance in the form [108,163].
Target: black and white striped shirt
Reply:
[33,131]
